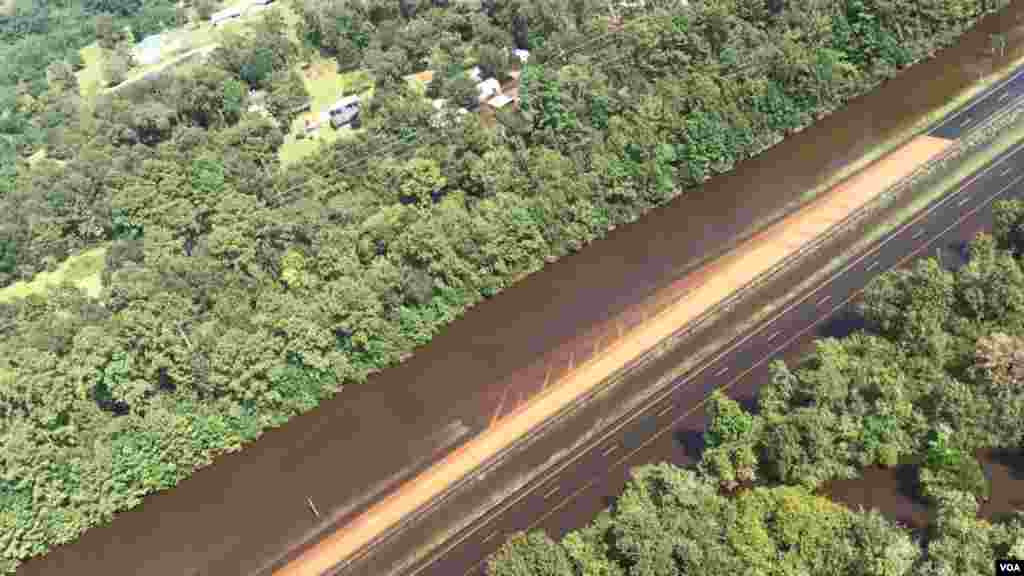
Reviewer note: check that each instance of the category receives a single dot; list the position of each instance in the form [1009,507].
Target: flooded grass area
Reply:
[462,373]
[896,492]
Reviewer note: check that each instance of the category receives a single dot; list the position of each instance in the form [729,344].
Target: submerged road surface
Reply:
[247,510]
[574,491]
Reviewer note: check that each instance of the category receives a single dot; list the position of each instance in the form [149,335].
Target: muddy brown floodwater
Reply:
[896,493]
[241,515]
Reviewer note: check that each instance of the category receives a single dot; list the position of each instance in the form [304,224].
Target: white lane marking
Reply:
[992,92]
[1007,171]
[773,335]
[917,234]
[823,300]
[965,122]
[871,266]
[666,410]
[499,510]
[1003,96]
[489,536]
[610,449]
[549,493]
[964,201]
[722,371]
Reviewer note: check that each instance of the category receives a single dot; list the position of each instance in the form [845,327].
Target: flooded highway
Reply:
[241,514]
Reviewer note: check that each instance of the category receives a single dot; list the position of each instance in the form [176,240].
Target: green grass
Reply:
[90,78]
[904,136]
[83,270]
[37,156]
[324,90]
[974,161]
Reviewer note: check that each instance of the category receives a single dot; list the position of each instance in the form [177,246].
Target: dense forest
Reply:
[937,373]
[238,292]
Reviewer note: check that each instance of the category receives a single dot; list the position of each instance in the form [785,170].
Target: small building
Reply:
[225,15]
[475,74]
[488,89]
[425,77]
[260,2]
[523,55]
[500,101]
[344,111]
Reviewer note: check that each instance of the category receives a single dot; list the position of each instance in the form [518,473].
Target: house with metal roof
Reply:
[500,101]
[488,88]
[344,111]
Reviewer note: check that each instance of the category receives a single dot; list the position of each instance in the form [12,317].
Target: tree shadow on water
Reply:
[691,441]
[1013,460]
[908,483]
[842,323]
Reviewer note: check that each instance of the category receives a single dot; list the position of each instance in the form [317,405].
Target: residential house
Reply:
[500,101]
[425,77]
[344,111]
[488,89]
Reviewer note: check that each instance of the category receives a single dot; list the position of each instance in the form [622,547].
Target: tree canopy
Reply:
[238,292]
[933,377]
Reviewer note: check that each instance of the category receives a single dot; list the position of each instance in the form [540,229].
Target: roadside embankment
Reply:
[692,297]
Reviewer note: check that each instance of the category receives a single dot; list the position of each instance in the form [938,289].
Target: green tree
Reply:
[533,554]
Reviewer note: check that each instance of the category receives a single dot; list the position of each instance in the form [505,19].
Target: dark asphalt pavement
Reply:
[668,426]
[981,106]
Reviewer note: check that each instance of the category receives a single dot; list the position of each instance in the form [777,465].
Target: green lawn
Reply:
[91,76]
[325,86]
[82,269]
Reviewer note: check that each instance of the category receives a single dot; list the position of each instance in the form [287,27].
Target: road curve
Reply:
[553,500]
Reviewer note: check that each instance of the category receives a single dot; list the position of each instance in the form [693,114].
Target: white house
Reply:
[475,74]
[488,88]
[219,18]
[500,101]
[523,55]
[344,111]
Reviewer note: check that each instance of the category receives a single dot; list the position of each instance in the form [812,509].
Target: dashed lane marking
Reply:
[551,492]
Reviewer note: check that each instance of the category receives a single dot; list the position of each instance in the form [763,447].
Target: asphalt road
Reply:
[981,106]
[668,426]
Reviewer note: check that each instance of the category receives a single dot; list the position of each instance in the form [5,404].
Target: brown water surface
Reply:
[244,512]
[896,492]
